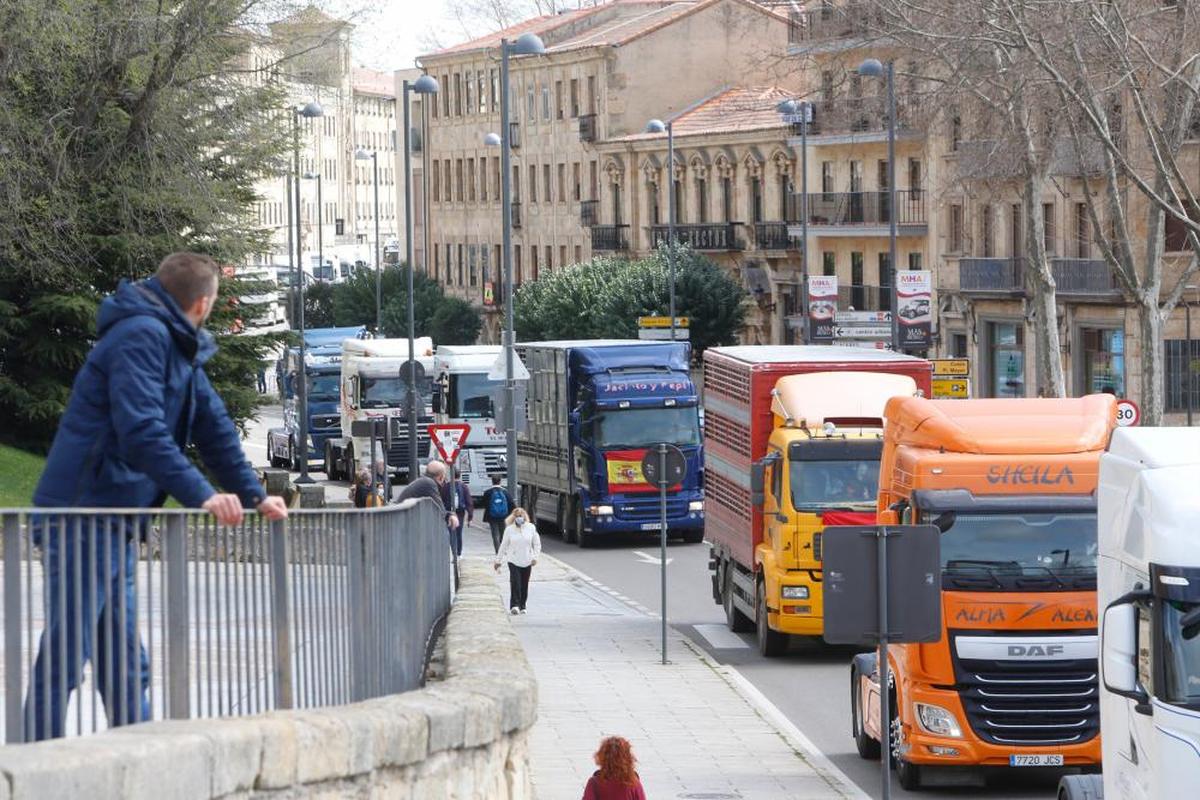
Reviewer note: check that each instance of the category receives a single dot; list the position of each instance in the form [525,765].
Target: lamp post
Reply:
[1187,335]
[308,111]
[320,220]
[362,155]
[422,85]
[295,290]
[658,126]
[527,44]
[872,68]
[802,110]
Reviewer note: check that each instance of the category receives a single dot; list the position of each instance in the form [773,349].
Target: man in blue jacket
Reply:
[140,399]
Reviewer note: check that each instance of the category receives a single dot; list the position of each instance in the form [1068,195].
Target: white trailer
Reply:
[1149,593]
[372,387]
[463,394]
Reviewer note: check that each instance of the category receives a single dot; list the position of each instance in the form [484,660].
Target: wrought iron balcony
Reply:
[589,212]
[516,213]
[773,236]
[864,208]
[719,237]
[587,128]
[827,22]
[1073,277]
[1004,276]
[1084,277]
[860,115]
[610,238]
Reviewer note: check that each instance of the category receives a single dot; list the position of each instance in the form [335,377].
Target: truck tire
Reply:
[694,537]
[571,530]
[327,464]
[770,643]
[908,774]
[867,747]
[1081,787]
[293,457]
[734,619]
[271,457]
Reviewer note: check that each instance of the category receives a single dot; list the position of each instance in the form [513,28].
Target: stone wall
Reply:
[460,738]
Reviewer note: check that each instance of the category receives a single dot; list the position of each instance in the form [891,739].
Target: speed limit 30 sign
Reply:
[1128,413]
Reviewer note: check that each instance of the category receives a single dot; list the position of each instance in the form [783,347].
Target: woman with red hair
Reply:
[616,778]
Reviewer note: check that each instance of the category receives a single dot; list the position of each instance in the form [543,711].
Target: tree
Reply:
[447,320]
[318,305]
[604,298]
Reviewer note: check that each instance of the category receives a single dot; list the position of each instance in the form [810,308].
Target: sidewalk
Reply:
[695,731]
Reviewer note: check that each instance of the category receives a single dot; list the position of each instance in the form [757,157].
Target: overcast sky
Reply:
[389,34]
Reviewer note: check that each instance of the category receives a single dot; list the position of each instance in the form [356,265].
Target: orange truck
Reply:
[1013,681]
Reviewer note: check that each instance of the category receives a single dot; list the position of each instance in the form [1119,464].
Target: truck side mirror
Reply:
[436,399]
[758,481]
[1119,644]
[352,388]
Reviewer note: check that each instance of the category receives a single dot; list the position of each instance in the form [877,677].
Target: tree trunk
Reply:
[1047,349]
[1149,321]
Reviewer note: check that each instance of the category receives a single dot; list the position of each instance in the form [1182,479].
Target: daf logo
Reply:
[1035,650]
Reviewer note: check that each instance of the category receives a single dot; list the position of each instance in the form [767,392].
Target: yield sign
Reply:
[449,439]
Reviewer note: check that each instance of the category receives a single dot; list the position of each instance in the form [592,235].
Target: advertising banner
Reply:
[914,308]
[822,307]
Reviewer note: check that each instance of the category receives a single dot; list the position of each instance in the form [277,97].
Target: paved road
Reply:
[810,685]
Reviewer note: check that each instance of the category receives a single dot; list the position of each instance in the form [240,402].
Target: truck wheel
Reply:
[327,464]
[694,537]
[907,773]
[867,747]
[293,457]
[770,643]
[1081,787]
[736,620]
[274,461]
[571,530]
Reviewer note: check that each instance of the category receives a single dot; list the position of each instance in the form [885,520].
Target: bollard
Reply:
[312,496]
[276,481]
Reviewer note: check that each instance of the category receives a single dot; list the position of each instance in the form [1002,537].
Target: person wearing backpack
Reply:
[497,503]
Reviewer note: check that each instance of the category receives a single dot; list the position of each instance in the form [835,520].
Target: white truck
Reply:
[463,394]
[1149,595]
[373,386]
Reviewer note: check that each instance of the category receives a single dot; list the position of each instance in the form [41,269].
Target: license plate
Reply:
[650,526]
[1042,760]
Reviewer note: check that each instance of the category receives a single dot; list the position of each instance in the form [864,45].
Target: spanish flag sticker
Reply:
[625,471]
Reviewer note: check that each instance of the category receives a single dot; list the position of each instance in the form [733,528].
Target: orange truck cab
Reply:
[1013,681]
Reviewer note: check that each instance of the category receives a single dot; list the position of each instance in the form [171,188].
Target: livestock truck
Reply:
[595,409]
[803,426]
[1012,682]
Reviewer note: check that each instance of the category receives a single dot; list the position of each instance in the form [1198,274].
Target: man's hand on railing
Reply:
[227,508]
[273,508]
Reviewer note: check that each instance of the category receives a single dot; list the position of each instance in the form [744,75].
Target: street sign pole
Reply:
[662,539]
[885,719]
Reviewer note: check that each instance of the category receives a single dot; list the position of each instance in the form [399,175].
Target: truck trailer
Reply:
[595,409]
[1012,682]
[1149,591]
[808,421]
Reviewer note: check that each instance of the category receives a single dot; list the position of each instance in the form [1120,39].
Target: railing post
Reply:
[355,564]
[178,678]
[281,617]
[12,629]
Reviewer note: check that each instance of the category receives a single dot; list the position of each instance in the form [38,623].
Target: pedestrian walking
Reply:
[456,499]
[383,484]
[262,379]
[520,547]
[429,486]
[364,493]
[497,503]
[616,778]
[139,400]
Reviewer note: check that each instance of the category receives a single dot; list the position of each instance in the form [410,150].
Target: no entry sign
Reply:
[449,439]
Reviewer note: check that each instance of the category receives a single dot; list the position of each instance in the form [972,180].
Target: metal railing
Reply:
[589,212]
[864,208]
[1080,277]
[179,617]
[995,275]
[828,21]
[702,237]
[860,114]
[610,238]
[773,236]
[1085,277]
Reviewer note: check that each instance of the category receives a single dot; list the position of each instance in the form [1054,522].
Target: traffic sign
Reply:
[863,317]
[861,332]
[1128,413]
[663,334]
[957,388]
[449,439]
[662,322]
[951,367]
[676,466]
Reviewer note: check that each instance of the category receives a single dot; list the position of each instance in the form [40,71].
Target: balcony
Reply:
[1075,278]
[828,24]
[773,236]
[1084,278]
[991,276]
[863,213]
[587,128]
[516,214]
[589,213]
[720,237]
[610,238]
[854,118]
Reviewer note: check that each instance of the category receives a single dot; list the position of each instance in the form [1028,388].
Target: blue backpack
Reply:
[498,504]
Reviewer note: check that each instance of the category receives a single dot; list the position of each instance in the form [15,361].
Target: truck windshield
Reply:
[389,392]
[828,485]
[1181,652]
[1014,551]
[471,396]
[641,427]
[323,387]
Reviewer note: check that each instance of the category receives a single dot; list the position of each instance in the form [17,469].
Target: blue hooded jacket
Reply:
[140,398]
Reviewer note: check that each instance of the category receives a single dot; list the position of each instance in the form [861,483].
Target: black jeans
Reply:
[518,585]
[497,526]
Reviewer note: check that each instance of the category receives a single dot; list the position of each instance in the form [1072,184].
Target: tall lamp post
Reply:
[872,68]
[800,112]
[362,155]
[308,111]
[658,126]
[428,86]
[309,176]
[527,44]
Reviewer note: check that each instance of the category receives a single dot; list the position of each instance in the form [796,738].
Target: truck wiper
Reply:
[969,563]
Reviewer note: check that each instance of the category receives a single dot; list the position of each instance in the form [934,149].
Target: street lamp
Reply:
[793,110]
[658,126]
[422,85]
[308,111]
[872,68]
[320,220]
[527,44]
[362,155]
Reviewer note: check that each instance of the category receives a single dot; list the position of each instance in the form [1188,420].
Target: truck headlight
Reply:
[696,505]
[795,592]
[938,721]
[601,511]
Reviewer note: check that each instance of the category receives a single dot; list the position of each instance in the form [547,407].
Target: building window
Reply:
[594,180]
[468,79]
[495,94]
[915,260]
[1175,232]
[828,263]
[558,100]
[457,95]
[1049,234]
[446,189]
[827,180]
[881,169]
[591,94]
[701,200]
[1103,367]
[1006,355]
[562,183]
[533,262]
[481,91]
[756,199]
[858,292]
[578,254]
[1016,244]
[914,175]
[652,201]
[955,132]
[473,264]
[437,185]
[471,180]
[958,345]
[517,265]
[546,196]
[460,265]
[550,258]
[458,180]
[545,106]
[516,183]
[727,199]
[885,281]
[956,228]
[577,181]
[574,97]
[483,179]
[616,201]
[496,177]
[533,193]
[986,232]
[1182,375]
[437,263]
[856,176]
[1083,232]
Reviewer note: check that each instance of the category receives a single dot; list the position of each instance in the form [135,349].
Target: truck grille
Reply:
[647,510]
[493,462]
[1030,702]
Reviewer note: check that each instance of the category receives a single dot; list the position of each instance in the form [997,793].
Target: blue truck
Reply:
[322,371]
[594,409]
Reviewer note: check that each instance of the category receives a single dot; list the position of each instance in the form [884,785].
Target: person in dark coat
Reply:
[497,503]
[429,486]
[139,400]
[456,498]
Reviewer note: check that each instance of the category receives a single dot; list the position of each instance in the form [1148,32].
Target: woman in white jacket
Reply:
[520,547]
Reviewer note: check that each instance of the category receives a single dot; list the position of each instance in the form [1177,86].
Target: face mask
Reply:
[519,520]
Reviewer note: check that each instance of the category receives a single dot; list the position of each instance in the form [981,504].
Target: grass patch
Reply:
[19,473]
